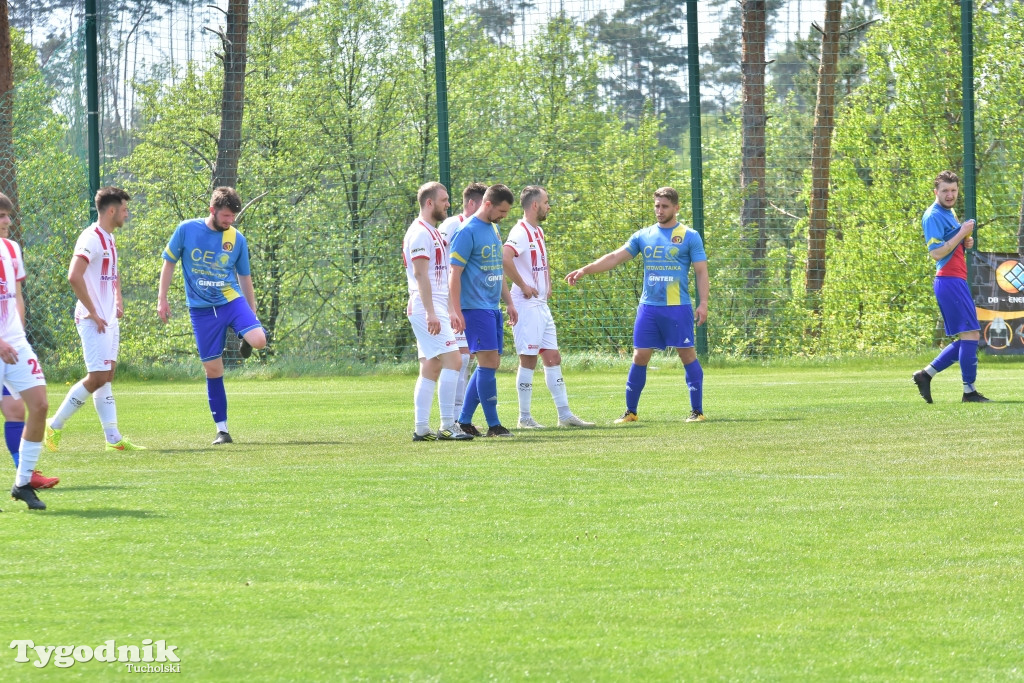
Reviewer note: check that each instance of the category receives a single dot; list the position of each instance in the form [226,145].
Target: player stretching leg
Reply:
[19,366]
[665,316]
[526,264]
[218,289]
[472,197]
[426,266]
[476,286]
[947,241]
[94,278]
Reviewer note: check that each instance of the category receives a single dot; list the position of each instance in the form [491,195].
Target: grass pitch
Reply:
[825,523]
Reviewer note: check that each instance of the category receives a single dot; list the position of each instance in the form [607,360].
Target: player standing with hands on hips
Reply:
[665,316]
[947,242]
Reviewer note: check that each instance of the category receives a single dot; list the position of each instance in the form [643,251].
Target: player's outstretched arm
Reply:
[163,309]
[605,263]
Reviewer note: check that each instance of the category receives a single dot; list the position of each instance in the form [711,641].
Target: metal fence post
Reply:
[696,157]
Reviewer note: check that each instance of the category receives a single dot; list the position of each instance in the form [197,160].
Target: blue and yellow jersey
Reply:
[668,253]
[210,261]
[477,249]
[940,225]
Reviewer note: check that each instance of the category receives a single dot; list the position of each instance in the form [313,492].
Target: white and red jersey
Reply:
[423,241]
[12,271]
[96,246]
[530,260]
[449,226]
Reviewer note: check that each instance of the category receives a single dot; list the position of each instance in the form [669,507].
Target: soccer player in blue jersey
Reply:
[218,288]
[665,316]
[476,285]
[947,241]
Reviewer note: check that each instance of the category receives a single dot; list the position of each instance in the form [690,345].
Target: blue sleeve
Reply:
[242,264]
[697,253]
[174,248]
[633,245]
[462,248]
[934,233]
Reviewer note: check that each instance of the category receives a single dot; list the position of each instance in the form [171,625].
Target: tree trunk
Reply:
[8,165]
[821,148]
[752,173]
[229,145]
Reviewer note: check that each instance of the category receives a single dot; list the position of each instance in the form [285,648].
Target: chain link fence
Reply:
[823,124]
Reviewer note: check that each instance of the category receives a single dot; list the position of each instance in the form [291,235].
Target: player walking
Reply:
[526,264]
[219,292]
[665,316]
[947,241]
[93,274]
[425,255]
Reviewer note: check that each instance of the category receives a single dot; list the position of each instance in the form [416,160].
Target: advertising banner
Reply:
[997,285]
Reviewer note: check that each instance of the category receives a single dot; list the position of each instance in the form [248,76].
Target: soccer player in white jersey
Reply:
[472,198]
[19,366]
[525,260]
[12,406]
[425,256]
[93,275]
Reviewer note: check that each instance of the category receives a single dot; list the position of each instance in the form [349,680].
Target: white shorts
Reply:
[460,339]
[534,331]
[100,350]
[25,373]
[433,345]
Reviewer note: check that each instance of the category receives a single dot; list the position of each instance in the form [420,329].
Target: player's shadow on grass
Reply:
[103,513]
[89,487]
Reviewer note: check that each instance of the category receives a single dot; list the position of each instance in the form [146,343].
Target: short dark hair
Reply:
[946,177]
[108,196]
[6,204]
[668,193]
[226,198]
[473,191]
[530,194]
[496,194]
[428,191]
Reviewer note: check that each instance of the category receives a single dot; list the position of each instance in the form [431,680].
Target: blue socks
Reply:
[218,398]
[12,434]
[487,388]
[695,381]
[635,382]
[471,399]
[949,355]
[968,361]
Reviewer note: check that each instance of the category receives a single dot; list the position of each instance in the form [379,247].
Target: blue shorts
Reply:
[658,327]
[210,326]
[483,329]
[6,391]
[957,306]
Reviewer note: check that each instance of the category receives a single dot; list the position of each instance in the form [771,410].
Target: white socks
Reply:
[524,383]
[460,388]
[447,384]
[103,400]
[27,459]
[423,398]
[75,399]
[556,385]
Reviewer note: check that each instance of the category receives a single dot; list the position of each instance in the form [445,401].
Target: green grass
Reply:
[825,523]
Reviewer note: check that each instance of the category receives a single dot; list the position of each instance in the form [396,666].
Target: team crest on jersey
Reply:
[3,286]
[222,260]
[106,253]
[677,239]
